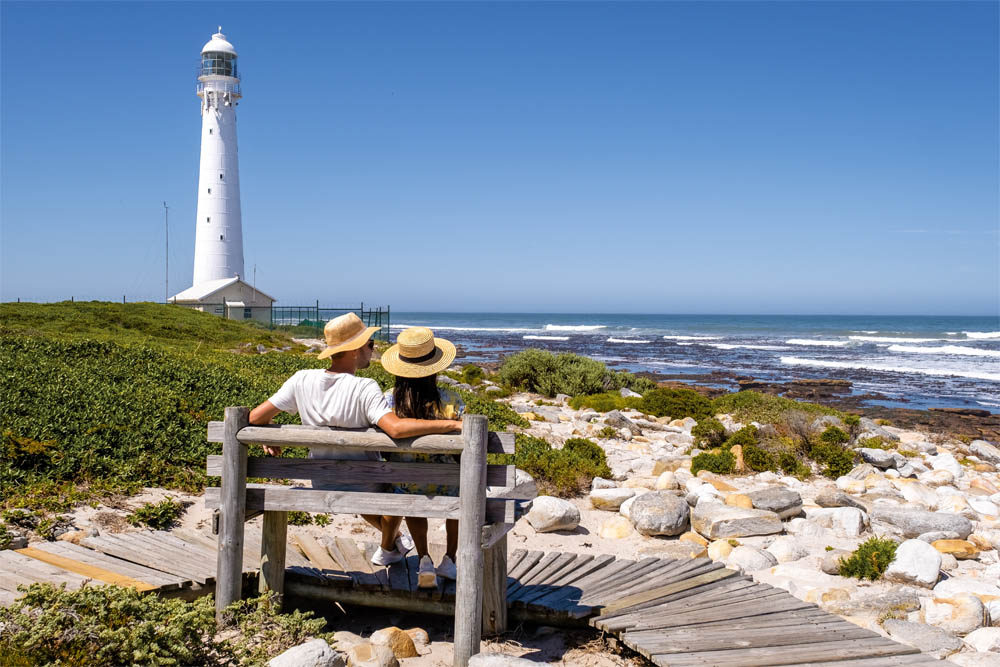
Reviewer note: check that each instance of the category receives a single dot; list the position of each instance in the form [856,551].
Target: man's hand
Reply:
[272,451]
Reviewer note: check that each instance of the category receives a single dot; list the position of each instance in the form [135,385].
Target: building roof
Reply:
[219,44]
[202,291]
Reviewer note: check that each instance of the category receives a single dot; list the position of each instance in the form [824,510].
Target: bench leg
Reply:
[495,588]
[273,539]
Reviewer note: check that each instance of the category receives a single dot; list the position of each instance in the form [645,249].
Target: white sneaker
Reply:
[425,575]
[447,568]
[404,543]
[383,557]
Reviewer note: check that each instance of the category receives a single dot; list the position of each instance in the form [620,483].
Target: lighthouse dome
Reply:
[219,44]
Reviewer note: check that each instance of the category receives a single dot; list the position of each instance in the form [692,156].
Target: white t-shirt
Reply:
[334,399]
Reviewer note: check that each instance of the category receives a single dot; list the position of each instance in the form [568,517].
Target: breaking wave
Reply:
[733,346]
[820,343]
[437,328]
[982,335]
[861,365]
[628,340]
[946,349]
[893,339]
[692,337]
[573,327]
[529,337]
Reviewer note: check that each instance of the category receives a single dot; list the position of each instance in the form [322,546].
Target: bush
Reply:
[472,374]
[839,461]
[758,459]
[834,436]
[605,402]
[607,433]
[722,462]
[792,466]
[745,437]
[869,560]
[875,442]
[263,633]
[748,406]
[158,516]
[675,403]
[562,472]
[545,373]
[500,415]
[709,433]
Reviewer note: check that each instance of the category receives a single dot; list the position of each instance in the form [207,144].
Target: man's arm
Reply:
[399,427]
[261,415]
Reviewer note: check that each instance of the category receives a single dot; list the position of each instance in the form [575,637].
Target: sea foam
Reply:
[894,339]
[981,335]
[733,346]
[692,337]
[529,337]
[819,343]
[861,365]
[573,327]
[628,340]
[946,349]
[437,328]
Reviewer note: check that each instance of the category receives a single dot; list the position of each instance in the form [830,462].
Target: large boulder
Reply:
[960,614]
[715,520]
[916,562]
[985,451]
[397,640]
[833,498]
[616,419]
[929,639]
[783,502]
[313,653]
[844,521]
[610,499]
[659,513]
[869,429]
[549,513]
[879,458]
[984,639]
[750,559]
[907,522]
[787,548]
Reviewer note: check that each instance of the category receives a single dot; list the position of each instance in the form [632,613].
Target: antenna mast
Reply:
[166,253]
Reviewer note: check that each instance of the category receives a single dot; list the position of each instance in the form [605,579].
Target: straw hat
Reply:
[343,333]
[417,353]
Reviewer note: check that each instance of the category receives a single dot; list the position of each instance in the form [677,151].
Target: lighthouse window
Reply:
[220,177]
[210,130]
[208,219]
[210,191]
[220,237]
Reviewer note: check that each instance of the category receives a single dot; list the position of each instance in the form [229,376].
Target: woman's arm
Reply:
[399,427]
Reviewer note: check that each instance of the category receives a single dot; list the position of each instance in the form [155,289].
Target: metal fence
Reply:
[300,321]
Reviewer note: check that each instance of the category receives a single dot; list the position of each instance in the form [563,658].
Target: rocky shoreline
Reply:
[935,495]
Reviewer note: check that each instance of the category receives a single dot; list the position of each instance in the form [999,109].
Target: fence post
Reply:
[232,509]
[495,588]
[272,554]
[472,515]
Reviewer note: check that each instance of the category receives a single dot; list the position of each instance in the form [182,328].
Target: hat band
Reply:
[417,360]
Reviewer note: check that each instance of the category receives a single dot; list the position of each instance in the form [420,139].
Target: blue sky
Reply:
[552,157]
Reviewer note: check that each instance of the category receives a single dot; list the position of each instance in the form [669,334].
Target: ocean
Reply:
[916,362]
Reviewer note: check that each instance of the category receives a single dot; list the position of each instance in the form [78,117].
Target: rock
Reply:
[492,389]
[984,507]
[719,550]
[984,485]
[685,424]
[916,562]
[667,481]
[750,559]
[419,636]
[985,451]
[666,464]
[975,659]
[615,528]
[601,483]
[879,458]
[643,483]
[805,528]
[869,429]
[831,561]
[895,600]
[610,499]
[936,477]
[786,549]
[499,660]
[371,655]
[718,484]
[398,641]
[929,639]
[851,485]
[832,498]
[984,639]
[715,520]
[938,535]
[345,639]
[947,462]
[948,563]
[625,392]
[659,513]
[913,522]
[616,419]
[693,538]
[548,514]
[739,500]
[562,399]
[524,487]
[960,614]
[783,502]
[820,424]
[845,521]
[961,549]
[956,504]
[915,492]
[626,507]
[313,653]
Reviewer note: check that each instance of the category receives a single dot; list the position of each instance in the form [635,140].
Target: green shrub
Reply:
[545,373]
[472,374]
[869,560]
[605,402]
[158,516]
[748,406]
[839,461]
[607,433]
[834,436]
[500,415]
[758,459]
[709,433]
[675,403]
[562,472]
[722,462]
[875,442]
[745,437]
[262,633]
[792,466]
[385,379]
[299,518]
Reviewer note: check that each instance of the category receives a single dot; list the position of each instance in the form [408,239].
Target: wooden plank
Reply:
[711,591]
[525,578]
[197,563]
[11,577]
[579,588]
[514,558]
[886,661]
[377,598]
[494,532]
[786,655]
[576,569]
[698,639]
[669,589]
[378,570]
[778,621]
[412,572]
[273,546]
[399,576]
[543,582]
[285,498]
[38,571]
[469,558]
[232,510]
[162,580]
[733,611]
[7,598]
[332,471]
[324,437]
[251,548]
[357,565]
[495,589]
[661,579]
[134,554]
[629,574]
[526,563]
[86,569]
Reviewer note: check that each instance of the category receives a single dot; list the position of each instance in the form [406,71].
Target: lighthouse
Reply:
[219,285]
[218,246]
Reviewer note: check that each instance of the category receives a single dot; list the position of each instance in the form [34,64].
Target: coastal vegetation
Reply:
[543,372]
[870,560]
[562,472]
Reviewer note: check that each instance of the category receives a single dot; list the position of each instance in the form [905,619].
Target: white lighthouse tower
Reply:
[219,284]
[218,246]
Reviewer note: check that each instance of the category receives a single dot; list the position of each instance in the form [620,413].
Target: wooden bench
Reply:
[481,560]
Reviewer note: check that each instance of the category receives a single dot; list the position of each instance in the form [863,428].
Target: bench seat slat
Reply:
[283,498]
[319,437]
[340,470]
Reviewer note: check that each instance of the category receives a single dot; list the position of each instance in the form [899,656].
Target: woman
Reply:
[415,360]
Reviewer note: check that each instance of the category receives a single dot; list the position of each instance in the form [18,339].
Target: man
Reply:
[336,397]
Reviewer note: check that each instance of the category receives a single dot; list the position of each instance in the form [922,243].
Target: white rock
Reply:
[975,659]
[916,562]
[805,528]
[313,653]
[601,483]
[845,521]
[936,477]
[957,505]
[851,485]
[499,660]
[549,513]
[985,451]
[667,481]
[610,499]
[693,484]
[984,506]
[915,492]
[786,549]
[749,558]
[984,639]
[960,614]
[715,520]
[947,462]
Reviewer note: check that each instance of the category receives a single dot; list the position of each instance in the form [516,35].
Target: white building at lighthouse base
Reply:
[230,298]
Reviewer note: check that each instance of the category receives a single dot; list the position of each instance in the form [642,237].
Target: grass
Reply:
[158,516]
[747,406]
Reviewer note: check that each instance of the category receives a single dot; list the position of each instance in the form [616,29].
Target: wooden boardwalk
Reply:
[682,613]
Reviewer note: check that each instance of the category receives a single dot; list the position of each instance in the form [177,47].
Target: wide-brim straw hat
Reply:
[417,354]
[344,333]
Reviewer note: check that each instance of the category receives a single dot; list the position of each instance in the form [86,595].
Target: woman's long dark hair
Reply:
[417,398]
